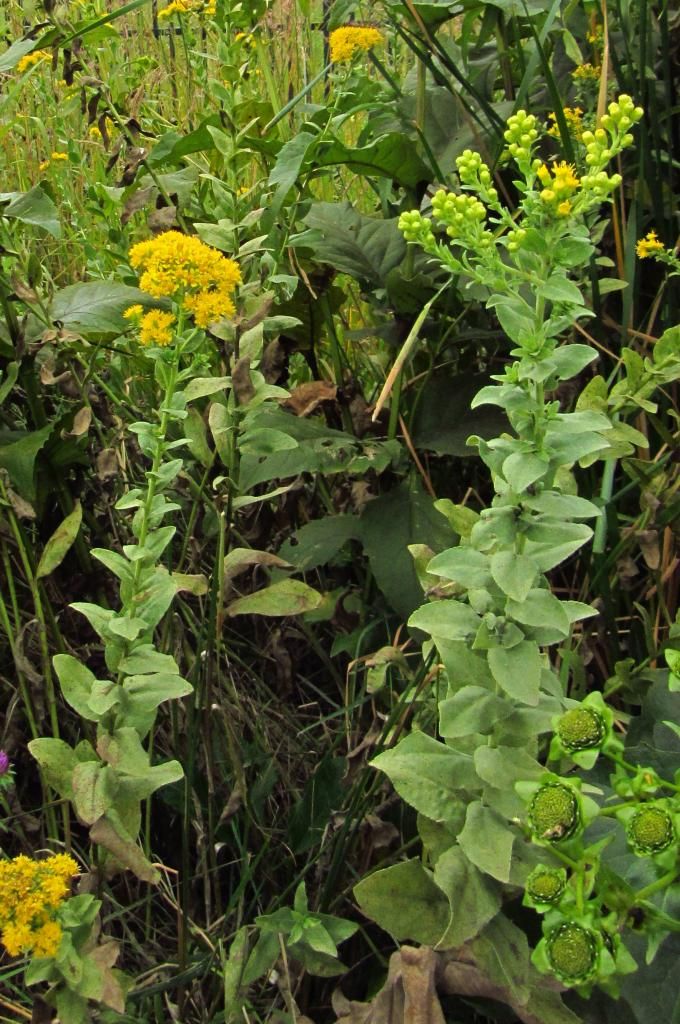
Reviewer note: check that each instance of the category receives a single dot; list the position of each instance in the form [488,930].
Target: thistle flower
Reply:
[345,43]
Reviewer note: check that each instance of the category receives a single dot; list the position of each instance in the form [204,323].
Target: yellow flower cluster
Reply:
[206,7]
[574,118]
[558,186]
[346,42]
[155,326]
[183,268]
[587,72]
[648,245]
[30,893]
[30,59]
[54,158]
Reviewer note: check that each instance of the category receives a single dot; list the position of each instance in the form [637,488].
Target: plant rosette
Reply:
[582,952]
[557,808]
[652,830]
[585,731]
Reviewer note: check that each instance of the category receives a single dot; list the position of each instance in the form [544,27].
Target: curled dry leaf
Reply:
[307,397]
[81,423]
[107,464]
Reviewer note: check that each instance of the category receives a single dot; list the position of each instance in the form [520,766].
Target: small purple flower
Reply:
[4,762]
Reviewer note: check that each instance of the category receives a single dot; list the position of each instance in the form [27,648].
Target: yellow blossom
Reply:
[134,312]
[30,893]
[30,59]
[208,307]
[184,268]
[59,156]
[346,42]
[175,7]
[587,72]
[156,328]
[574,118]
[564,208]
[94,132]
[648,245]
[43,165]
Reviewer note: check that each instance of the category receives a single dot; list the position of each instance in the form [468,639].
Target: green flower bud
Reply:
[650,830]
[554,812]
[581,729]
[545,886]
[573,952]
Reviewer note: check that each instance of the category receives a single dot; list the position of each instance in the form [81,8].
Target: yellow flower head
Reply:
[59,156]
[346,42]
[134,313]
[587,72]
[43,165]
[30,59]
[155,327]
[184,268]
[30,893]
[648,245]
[175,7]
[560,184]
[574,118]
[564,208]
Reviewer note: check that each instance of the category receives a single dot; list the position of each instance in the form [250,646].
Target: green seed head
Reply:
[572,952]
[650,830]
[546,885]
[581,729]
[554,812]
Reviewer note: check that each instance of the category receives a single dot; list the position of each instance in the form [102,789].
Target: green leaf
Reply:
[549,544]
[472,709]
[60,542]
[76,683]
[94,790]
[517,670]
[502,953]
[448,620]
[110,833]
[487,841]
[96,306]
[18,458]
[392,156]
[318,542]
[57,762]
[116,563]
[11,57]
[540,608]
[515,574]
[560,289]
[389,524]
[465,566]
[473,898]
[287,597]
[366,248]
[322,794]
[523,469]
[404,900]
[34,207]
[147,659]
[285,172]
[428,775]
[199,387]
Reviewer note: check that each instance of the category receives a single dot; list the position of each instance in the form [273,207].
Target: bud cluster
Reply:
[520,136]
[462,217]
[475,176]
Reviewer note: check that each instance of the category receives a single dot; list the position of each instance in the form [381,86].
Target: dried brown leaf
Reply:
[307,397]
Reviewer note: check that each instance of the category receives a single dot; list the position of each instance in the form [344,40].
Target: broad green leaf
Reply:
[147,659]
[517,670]
[471,710]
[549,544]
[11,57]
[110,833]
[34,207]
[285,172]
[391,156]
[318,542]
[287,597]
[60,542]
[404,900]
[199,387]
[487,841]
[94,790]
[560,289]
[116,563]
[18,458]
[389,524]
[562,506]
[465,566]
[540,608]
[474,899]
[76,683]
[366,248]
[57,761]
[450,620]
[523,469]
[503,766]
[428,775]
[502,952]
[515,574]
[97,307]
